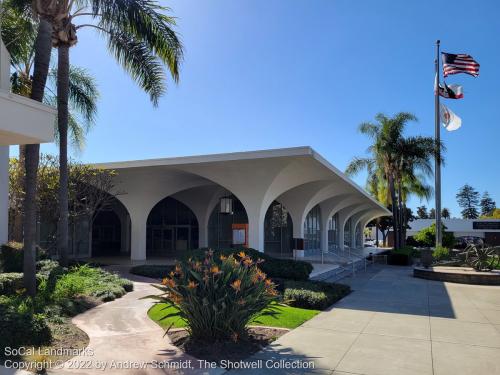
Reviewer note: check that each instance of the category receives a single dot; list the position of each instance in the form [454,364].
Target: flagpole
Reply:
[437,172]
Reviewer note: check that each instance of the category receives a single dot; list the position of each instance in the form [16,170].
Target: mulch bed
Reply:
[258,338]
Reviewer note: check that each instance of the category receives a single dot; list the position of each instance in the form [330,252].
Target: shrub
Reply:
[20,326]
[12,257]
[152,271]
[273,267]
[441,253]
[88,281]
[218,296]
[482,258]
[315,295]
[427,237]
[10,282]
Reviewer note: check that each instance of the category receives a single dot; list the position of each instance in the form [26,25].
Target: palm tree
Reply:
[396,167]
[140,36]
[42,48]
[18,34]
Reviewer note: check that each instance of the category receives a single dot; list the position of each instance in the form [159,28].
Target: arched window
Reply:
[171,229]
[333,232]
[312,230]
[278,230]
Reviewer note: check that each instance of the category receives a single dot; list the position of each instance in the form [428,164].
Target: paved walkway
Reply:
[394,324]
[122,335]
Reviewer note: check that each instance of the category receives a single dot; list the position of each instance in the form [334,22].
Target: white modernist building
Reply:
[275,201]
[22,121]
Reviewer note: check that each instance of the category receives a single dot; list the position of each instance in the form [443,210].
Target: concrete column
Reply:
[353,234]
[324,236]
[4,151]
[138,237]
[255,227]
[4,194]
[202,233]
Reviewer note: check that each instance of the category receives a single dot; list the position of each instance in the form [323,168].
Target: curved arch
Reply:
[171,228]
[110,230]
[278,230]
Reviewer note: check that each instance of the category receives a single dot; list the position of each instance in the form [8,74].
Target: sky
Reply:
[261,74]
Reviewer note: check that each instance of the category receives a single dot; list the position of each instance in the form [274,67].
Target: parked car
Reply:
[462,242]
[370,243]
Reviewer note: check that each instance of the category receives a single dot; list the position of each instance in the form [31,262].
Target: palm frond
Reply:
[358,164]
[138,60]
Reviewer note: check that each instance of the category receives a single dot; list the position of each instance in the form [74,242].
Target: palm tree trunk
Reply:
[62,123]
[394,207]
[43,46]
[400,212]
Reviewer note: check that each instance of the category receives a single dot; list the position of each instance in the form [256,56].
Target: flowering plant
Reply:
[217,297]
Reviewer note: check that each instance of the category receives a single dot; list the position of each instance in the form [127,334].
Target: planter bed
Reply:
[462,275]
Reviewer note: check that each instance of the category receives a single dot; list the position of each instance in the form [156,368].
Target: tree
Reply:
[427,236]
[139,35]
[468,200]
[91,190]
[432,213]
[42,48]
[445,213]
[383,224]
[83,93]
[487,204]
[422,212]
[495,214]
[397,165]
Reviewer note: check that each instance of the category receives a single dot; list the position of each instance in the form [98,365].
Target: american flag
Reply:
[462,63]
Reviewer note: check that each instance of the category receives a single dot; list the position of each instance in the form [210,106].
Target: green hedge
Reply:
[315,295]
[10,282]
[12,256]
[273,267]
[20,326]
[155,271]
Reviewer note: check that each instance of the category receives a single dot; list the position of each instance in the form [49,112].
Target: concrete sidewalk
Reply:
[394,324]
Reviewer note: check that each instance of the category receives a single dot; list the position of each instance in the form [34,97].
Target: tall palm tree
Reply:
[19,32]
[138,33]
[42,47]
[395,165]
[140,36]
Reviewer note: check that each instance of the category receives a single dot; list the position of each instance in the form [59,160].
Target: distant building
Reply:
[487,229]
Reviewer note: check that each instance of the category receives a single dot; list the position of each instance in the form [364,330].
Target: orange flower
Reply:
[214,269]
[172,273]
[223,257]
[242,254]
[247,262]
[197,266]
[236,285]
[169,282]
[178,269]
[269,282]
[192,285]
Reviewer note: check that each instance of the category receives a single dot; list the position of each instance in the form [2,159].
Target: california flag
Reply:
[451,91]
[450,120]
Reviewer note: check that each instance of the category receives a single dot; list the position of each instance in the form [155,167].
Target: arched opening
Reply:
[278,231]
[347,233]
[171,229]
[228,224]
[333,232]
[312,230]
[110,230]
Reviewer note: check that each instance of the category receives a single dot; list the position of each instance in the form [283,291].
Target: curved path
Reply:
[122,335]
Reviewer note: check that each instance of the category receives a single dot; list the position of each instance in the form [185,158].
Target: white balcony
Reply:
[24,121]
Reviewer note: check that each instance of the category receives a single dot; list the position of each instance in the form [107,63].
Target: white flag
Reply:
[450,120]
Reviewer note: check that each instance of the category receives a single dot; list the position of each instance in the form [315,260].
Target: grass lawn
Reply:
[286,317]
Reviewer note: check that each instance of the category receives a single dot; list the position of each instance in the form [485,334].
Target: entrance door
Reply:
[168,240]
[182,238]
